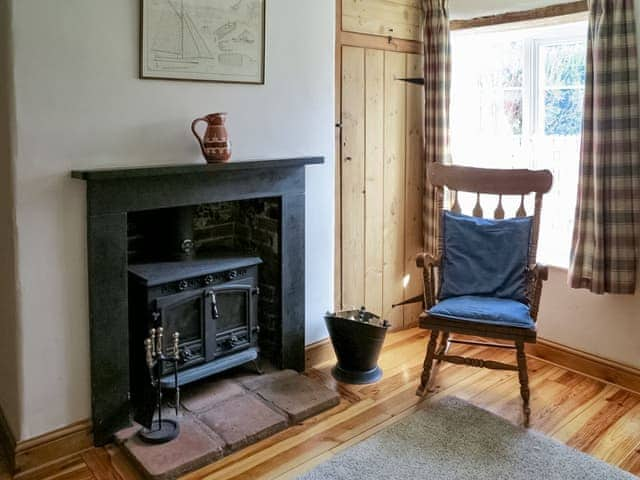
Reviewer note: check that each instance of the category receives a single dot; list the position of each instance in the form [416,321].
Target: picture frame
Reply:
[203,40]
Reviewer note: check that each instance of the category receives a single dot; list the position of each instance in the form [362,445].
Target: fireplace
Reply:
[115,197]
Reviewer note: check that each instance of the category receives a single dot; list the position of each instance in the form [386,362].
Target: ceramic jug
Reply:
[215,143]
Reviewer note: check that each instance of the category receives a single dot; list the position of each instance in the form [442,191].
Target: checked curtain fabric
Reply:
[437,83]
[606,236]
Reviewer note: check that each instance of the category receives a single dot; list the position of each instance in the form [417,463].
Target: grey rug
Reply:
[454,440]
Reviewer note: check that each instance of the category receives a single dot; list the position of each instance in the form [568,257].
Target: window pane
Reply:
[500,112]
[502,69]
[510,64]
[563,111]
[512,106]
[564,64]
[486,90]
[560,93]
[559,154]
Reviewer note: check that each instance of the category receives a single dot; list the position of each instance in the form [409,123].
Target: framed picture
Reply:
[210,40]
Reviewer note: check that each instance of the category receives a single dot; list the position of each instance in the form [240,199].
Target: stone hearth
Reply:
[222,416]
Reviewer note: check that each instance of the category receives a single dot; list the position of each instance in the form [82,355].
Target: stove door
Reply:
[189,314]
[233,325]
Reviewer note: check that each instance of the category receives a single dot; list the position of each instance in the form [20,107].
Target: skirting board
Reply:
[29,456]
[591,365]
[318,353]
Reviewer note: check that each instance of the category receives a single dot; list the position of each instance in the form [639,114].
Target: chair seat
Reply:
[484,310]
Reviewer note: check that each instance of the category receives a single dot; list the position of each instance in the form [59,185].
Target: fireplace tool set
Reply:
[161,430]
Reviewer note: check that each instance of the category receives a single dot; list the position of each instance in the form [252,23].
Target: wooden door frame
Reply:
[353,39]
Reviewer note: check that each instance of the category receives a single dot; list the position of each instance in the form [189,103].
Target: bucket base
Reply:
[356,377]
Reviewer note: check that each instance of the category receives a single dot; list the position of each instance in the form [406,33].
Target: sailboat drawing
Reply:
[214,40]
[178,41]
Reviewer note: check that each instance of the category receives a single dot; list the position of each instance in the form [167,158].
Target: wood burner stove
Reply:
[211,302]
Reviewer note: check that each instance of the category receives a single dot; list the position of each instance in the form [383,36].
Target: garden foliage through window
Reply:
[516,102]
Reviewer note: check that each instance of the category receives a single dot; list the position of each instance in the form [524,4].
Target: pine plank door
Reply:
[381,182]
[395,18]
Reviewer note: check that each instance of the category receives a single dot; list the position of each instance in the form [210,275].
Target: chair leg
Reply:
[428,364]
[444,345]
[523,376]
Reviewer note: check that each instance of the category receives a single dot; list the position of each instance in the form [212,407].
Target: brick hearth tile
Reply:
[254,382]
[248,373]
[243,420]
[195,447]
[125,434]
[299,396]
[204,396]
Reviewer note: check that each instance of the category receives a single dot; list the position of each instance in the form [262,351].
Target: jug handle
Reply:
[195,133]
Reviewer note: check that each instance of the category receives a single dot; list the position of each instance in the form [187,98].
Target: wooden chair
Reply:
[499,183]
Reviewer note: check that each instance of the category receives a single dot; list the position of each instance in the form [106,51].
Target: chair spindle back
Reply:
[487,181]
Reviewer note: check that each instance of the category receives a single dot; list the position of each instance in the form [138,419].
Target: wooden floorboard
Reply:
[597,418]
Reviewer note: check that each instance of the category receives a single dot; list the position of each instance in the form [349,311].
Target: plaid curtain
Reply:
[605,237]
[437,82]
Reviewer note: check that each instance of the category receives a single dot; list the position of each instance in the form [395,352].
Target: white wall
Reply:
[604,325]
[80,104]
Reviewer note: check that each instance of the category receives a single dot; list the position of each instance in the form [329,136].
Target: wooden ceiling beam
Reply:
[522,16]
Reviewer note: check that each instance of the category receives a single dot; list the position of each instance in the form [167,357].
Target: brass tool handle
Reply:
[152,339]
[159,341]
[176,345]
[149,352]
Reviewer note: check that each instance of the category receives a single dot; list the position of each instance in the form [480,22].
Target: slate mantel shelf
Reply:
[113,193]
[189,168]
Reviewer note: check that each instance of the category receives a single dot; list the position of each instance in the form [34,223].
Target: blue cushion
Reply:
[485,257]
[495,311]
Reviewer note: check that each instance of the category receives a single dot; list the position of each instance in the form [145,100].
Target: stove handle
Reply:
[214,306]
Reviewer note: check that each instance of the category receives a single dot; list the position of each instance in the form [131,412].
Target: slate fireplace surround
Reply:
[114,193]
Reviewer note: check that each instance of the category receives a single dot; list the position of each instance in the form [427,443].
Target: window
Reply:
[516,102]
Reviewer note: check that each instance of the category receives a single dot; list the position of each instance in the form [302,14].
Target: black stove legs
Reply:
[257,366]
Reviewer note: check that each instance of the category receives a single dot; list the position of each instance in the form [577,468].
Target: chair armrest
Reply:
[428,263]
[424,260]
[540,271]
